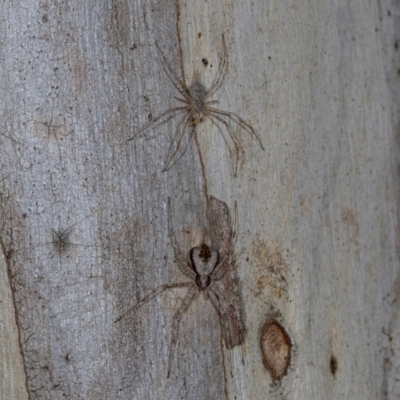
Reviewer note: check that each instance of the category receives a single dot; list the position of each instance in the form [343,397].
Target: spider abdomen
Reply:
[197,91]
[203,260]
[203,281]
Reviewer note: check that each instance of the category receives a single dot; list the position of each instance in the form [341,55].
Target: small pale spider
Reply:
[205,266]
[198,106]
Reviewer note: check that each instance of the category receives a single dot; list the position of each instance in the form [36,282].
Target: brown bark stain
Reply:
[59,32]
[78,65]
[118,126]
[48,126]
[122,23]
[125,259]
[272,269]
[275,346]
[348,218]
[122,39]
[305,203]
[126,246]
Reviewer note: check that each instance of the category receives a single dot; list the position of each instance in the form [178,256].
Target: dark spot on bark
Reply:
[333,364]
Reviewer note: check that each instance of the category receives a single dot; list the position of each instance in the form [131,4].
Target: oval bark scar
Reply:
[275,346]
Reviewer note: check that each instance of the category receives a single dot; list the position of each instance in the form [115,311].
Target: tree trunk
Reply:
[85,232]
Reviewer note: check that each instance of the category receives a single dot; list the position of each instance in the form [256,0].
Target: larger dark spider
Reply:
[205,266]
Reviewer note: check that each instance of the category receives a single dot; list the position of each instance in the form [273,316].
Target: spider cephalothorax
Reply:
[196,101]
[197,106]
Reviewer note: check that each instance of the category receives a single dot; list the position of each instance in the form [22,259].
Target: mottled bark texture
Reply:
[84,229]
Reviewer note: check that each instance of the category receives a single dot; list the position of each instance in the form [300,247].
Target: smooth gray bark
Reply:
[317,211]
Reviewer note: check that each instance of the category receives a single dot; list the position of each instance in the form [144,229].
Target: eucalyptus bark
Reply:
[84,230]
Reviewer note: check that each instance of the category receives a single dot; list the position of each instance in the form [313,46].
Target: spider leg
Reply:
[220,269]
[180,259]
[215,299]
[153,294]
[212,116]
[183,69]
[240,121]
[169,162]
[232,326]
[221,72]
[217,304]
[76,223]
[182,100]
[191,295]
[235,224]
[61,237]
[180,85]
[35,245]
[172,110]
[55,242]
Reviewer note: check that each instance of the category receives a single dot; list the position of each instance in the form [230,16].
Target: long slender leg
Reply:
[239,121]
[173,110]
[59,241]
[153,294]
[231,317]
[214,122]
[182,100]
[182,66]
[76,223]
[60,238]
[216,303]
[228,322]
[206,103]
[180,259]
[231,135]
[179,85]
[192,294]
[220,269]
[169,163]
[235,224]
[221,72]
